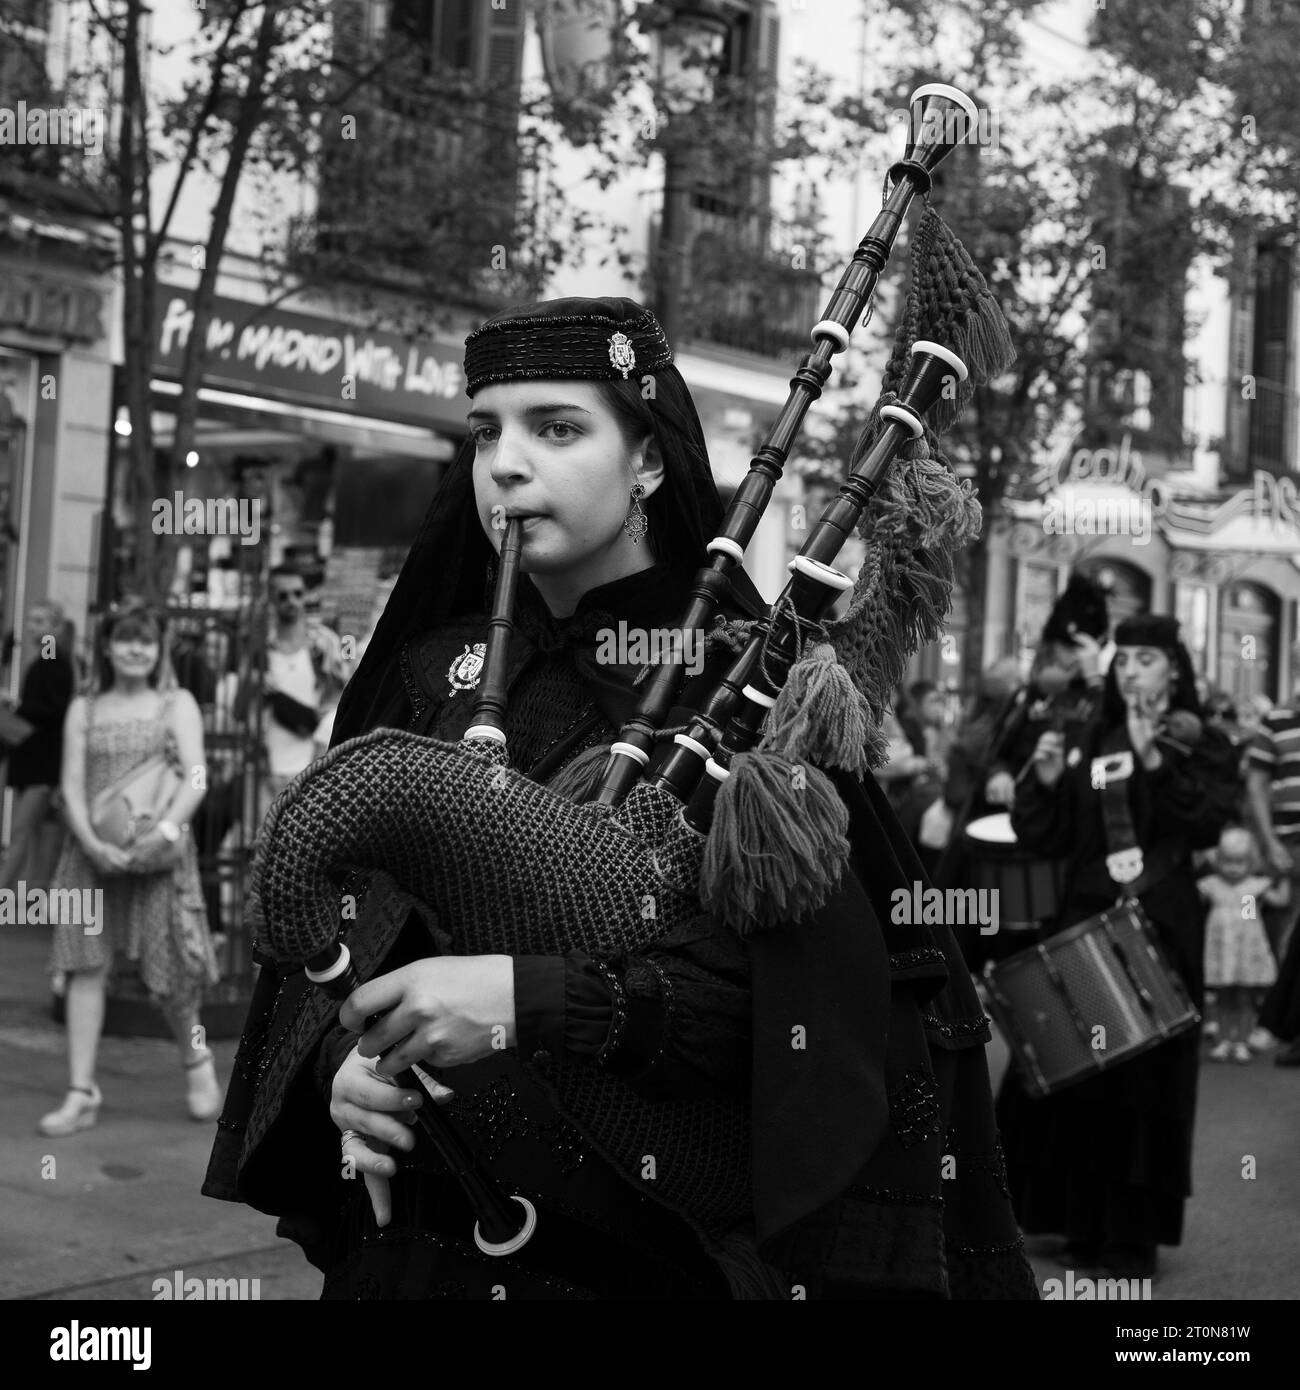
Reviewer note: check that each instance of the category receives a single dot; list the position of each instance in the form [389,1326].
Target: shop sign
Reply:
[1277,499]
[317,361]
[1122,467]
[1271,499]
[51,308]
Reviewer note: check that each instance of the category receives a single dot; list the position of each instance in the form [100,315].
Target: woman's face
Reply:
[553,451]
[1143,674]
[41,624]
[133,654]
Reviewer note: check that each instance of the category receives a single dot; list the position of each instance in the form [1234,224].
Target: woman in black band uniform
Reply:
[811,1170]
[1107,1162]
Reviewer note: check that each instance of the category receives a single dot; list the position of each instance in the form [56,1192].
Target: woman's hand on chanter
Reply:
[446,1012]
[375,1115]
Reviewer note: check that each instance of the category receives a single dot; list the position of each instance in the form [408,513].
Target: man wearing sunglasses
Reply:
[304,674]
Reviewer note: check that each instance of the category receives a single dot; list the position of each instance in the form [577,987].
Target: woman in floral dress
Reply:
[151,904]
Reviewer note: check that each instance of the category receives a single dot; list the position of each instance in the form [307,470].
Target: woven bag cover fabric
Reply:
[509,867]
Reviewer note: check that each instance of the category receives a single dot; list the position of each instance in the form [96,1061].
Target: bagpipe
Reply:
[737,820]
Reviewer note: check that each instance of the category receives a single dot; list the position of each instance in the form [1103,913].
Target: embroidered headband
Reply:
[573,339]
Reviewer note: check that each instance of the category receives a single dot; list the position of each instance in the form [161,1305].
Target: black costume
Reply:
[47,691]
[815,1164]
[1050,700]
[1107,1161]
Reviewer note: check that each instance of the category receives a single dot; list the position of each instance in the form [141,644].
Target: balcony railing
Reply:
[1273,418]
[753,302]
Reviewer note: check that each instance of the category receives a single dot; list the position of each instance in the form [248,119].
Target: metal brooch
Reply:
[621,353]
[464,671]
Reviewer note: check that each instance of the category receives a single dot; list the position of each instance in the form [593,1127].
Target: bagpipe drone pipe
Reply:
[724,827]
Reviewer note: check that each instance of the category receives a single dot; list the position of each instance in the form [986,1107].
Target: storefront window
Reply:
[1035,595]
[1192,609]
[340,500]
[1248,637]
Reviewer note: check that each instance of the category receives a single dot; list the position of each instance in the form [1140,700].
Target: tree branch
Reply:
[211,101]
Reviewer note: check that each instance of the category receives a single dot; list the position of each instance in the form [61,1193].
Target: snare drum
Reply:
[1028,888]
[1087,999]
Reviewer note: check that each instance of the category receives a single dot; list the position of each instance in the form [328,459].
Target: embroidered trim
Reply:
[617,1024]
[1015,1245]
[914,1108]
[986,1161]
[414,691]
[922,955]
[494,1113]
[892,1196]
[968,1028]
[669,997]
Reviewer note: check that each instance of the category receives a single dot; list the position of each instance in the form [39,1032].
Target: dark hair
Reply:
[132,617]
[286,570]
[1182,684]
[669,414]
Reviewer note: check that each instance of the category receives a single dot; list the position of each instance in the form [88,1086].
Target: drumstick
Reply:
[1051,683]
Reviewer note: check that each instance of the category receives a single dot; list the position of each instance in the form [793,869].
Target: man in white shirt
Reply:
[304,675]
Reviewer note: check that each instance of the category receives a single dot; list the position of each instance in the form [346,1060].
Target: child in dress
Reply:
[1239,965]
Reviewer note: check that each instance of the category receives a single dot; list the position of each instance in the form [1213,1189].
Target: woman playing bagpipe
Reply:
[675,1103]
[1107,1162]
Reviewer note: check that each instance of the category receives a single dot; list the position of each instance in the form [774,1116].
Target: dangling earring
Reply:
[636,524]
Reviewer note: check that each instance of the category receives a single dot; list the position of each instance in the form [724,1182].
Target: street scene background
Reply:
[240,248]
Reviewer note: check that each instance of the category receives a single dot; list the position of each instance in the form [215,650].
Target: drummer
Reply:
[996,743]
[1107,1163]
[1064,688]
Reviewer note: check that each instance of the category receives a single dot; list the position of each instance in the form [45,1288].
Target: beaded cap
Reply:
[573,339]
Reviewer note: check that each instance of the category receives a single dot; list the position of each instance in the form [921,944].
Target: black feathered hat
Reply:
[1083,607]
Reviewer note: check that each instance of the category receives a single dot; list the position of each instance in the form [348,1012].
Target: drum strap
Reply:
[1112,776]
[1130,870]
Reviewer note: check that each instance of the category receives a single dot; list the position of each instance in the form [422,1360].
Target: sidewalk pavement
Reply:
[103,1213]
[121,1206]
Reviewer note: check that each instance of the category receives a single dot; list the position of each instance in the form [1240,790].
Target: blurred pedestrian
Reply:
[972,751]
[970,759]
[1064,689]
[905,761]
[1273,787]
[145,876]
[48,680]
[923,812]
[304,677]
[1107,1161]
[1238,962]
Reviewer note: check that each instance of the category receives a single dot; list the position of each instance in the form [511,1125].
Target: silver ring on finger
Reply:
[348,1134]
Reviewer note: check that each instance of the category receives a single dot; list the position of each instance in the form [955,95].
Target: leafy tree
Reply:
[1085,214]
